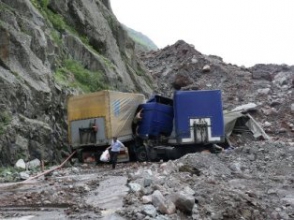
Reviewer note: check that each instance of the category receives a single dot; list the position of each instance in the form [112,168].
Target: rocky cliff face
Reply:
[41,44]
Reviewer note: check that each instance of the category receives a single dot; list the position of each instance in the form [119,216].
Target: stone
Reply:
[33,164]
[75,170]
[149,210]
[184,203]
[187,190]
[194,60]
[245,107]
[164,206]
[267,124]
[146,199]
[162,217]
[135,187]
[206,68]
[147,182]
[24,175]
[168,168]
[20,164]
[158,199]
[181,80]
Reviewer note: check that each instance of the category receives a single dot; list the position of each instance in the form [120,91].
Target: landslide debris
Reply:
[252,182]
[270,87]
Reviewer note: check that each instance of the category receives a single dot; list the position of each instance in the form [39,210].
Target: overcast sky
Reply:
[242,32]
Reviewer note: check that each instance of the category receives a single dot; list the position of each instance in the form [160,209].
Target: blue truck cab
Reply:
[189,120]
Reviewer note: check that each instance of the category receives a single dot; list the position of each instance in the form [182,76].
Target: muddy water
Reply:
[109,196]
[96,192]
[27,213]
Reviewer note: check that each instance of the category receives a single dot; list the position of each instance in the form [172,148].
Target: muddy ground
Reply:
[82,191]
[254,181]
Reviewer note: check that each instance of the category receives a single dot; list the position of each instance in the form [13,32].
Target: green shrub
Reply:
[85,79]
[56,20]
[56,37]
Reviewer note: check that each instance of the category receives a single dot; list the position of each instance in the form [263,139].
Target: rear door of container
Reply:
[88,132]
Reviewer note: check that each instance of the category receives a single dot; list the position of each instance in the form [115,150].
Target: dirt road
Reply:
[87,191]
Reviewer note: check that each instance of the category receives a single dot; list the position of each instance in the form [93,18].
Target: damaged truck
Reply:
[159,128]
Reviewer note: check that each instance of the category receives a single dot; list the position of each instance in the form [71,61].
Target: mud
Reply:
[86,191]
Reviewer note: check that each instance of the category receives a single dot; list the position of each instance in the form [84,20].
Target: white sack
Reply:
[105,156]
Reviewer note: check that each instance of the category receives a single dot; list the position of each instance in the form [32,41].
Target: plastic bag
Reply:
[105,156]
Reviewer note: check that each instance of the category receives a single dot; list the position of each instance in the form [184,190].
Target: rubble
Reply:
[253,181]
[269,87]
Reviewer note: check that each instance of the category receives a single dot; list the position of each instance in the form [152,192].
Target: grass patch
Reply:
[56,37]
[5,171]
[5,119]
[83,78]
[56,20]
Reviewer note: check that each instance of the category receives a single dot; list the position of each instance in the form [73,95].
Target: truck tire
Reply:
[141,154]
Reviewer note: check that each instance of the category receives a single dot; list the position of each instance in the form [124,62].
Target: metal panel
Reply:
[193,106]
[80,136]
[157,119]
[88,106]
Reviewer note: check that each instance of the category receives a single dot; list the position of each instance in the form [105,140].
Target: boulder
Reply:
[184,202]
[149,210]
[164,206]
[33,164]
[24,175]
[206,69]
[147,199]
[20,164]
[134,187]
[168,168]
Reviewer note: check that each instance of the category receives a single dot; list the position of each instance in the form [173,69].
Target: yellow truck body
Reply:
[93,119]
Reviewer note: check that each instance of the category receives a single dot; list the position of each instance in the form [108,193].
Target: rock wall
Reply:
[35,39]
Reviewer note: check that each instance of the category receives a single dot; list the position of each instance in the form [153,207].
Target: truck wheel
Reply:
[141,154]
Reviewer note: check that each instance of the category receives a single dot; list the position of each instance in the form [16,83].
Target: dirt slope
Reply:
[270,87]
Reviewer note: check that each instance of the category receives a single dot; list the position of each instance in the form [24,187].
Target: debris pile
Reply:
[251,182]
[254,181]
[269,87]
